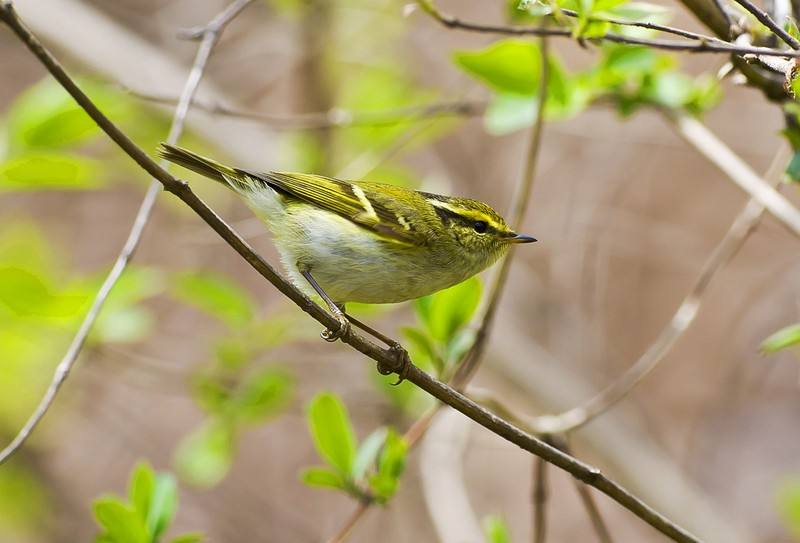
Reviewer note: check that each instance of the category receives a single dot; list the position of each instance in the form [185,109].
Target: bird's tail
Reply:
[212,169]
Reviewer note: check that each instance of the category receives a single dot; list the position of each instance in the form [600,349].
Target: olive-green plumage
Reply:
[363,241]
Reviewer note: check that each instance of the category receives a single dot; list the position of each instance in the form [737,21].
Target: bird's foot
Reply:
[402,359]
[342,330]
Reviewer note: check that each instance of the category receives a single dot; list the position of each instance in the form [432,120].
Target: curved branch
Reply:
[387,359]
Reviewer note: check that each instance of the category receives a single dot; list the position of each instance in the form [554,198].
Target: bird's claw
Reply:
[401,355]
[342,330]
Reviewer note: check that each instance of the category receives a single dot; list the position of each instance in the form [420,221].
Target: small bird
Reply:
[363,241]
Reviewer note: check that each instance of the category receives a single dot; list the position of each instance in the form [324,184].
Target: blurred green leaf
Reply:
[788,501]
[496,530]
[216,295]
[140,488]
[508,113]
[25,294]
[48,171]
[422,351]
[332,432]
[511,66]
[45,116]
[368,453]
[391,465]
[783,338]
[323,478]
[262,395]
[670,89]
[121,523]
[123,325]
[24,505]
[163,505]
[204,457]
[446,311]
[793,168]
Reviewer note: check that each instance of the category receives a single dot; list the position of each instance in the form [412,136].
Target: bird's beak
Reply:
[521,238]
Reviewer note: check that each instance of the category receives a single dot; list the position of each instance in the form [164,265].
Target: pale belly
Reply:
[352,265]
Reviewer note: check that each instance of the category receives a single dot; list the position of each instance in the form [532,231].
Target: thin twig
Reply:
[539,497]
[352,520]
[649,26]
[335,117]
[764,18]
[211,35]
[599,525]
[744,223]
[387,359]
[698,46]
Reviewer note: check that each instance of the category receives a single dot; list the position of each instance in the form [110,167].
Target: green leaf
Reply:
[204,457]
[496,530]
[793,168]
[163,505]
[450,309]
[262,395]
[391,465]
[140,488]
[332,432]
[788,501]
[121,523]
[783,338]
[25,294]
[421,349]
[216,295]
[508,113]
[45,116]
[512,66]
[368,453]
[123,325]
[670,89]
[49,171]
[323,478]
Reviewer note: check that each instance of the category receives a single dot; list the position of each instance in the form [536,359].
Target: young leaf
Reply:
[452,308]
[512,65]
[793,168]
[50,171]
[121,523]
[323,478]
[783,338]
[163,505]
[390,467]
[496,530]
[204,457]
[140,488]
[262,395]
[216,295]
[368,452]
[332,432]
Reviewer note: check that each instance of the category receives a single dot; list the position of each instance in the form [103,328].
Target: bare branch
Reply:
[387,359]
[342,535]
[764,18]
[649,26]
[210,36]
[699,46]
[335,117]
[540,495]
[599,525]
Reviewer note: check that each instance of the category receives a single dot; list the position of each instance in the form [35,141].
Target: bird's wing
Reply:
[364,207]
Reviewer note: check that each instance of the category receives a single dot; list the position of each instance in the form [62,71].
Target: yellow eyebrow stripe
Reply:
[468,214]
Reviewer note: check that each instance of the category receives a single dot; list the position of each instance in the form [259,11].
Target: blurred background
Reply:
[626,213]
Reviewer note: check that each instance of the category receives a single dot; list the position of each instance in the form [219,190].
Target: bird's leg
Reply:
[400,353]
[344,324]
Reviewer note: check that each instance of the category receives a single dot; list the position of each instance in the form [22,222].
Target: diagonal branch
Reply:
[764,18]
[210,36]
[387,359]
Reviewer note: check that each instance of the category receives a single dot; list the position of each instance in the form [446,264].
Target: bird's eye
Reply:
[480,227]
